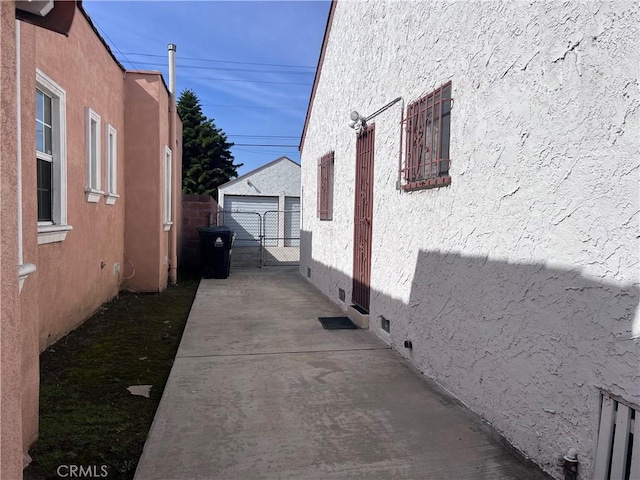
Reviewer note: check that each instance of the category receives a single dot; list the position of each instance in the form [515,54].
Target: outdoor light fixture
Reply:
[357,121]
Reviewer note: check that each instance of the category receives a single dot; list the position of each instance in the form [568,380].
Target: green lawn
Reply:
[87,416]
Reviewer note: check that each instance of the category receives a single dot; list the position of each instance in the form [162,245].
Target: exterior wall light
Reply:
[357,121]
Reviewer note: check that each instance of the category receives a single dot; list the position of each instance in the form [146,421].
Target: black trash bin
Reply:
[215,251]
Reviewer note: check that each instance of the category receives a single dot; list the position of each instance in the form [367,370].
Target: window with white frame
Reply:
[167,188]
[112,166]
[51,158]
[93,157]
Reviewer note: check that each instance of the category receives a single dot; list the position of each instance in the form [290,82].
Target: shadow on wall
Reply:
[526,346]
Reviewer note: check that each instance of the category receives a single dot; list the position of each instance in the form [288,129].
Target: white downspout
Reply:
[176,185]
[24,269]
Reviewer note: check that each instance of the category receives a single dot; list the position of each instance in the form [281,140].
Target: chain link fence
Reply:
[268,239]
[247,247]
[281,244]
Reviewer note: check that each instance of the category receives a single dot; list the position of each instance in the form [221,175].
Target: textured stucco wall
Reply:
[143,182]
[71,279]
[70,283]
[147,125]
[518,284]
[282,179]
[29,297]
[10,328]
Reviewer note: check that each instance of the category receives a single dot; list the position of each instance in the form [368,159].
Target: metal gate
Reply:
[281,243]
[266,239]
[362,219]
[247,246]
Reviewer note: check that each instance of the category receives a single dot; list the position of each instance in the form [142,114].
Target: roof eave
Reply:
[259,169]
[325,40]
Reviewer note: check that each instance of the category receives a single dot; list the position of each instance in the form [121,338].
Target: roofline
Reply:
[266,165]
[325,40]
[106,45]
[95,30]
[151,72]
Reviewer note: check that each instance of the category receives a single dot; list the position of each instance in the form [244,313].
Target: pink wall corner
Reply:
[163,123]
[79,274]
[145,239]
[69,284]
[10,344]
[29,297]
[178,185]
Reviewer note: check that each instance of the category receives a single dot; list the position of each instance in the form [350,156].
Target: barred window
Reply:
[325,187]
[427,132]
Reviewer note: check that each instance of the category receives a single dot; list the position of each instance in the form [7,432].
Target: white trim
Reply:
[93,196]
[111,182]
[19,145]
[59,157]
[93,181]
[23,272]
[26,270]
[52,233]
[168,157]
[110,199]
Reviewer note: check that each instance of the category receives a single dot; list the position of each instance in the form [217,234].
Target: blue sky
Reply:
[254,61]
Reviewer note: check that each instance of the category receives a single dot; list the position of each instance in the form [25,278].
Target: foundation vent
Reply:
[385,324]
[341,294]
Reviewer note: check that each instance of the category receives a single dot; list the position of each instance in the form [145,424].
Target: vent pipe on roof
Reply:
[172,67]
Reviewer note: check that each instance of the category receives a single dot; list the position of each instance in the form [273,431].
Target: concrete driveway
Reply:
[260,390]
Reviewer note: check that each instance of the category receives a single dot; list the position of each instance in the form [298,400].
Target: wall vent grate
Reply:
[385,324]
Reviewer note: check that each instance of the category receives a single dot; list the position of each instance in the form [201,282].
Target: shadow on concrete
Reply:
[527,347]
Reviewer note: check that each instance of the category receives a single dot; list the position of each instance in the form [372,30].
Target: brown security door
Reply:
[362,218]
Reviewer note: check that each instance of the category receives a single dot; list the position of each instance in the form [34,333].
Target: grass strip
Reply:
[88,418]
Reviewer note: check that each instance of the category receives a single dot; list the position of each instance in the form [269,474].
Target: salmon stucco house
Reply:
[471,195]
[90,168]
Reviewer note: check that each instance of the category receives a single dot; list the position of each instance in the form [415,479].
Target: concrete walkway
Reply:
[260,390]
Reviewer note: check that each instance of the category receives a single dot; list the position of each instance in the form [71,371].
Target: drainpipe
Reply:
[176,187]
[24,269]
[399,181]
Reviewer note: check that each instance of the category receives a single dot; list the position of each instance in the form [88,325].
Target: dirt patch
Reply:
[88,418]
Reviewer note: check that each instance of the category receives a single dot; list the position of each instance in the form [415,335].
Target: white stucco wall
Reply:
[518,284]
[280,179]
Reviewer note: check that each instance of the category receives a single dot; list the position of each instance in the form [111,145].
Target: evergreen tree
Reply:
[207,161]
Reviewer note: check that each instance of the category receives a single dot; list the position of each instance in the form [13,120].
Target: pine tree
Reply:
[207,161]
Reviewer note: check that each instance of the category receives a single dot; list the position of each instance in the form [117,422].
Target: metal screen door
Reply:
[362,218]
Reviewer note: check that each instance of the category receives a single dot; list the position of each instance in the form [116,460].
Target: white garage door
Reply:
[292,221]
[240,215]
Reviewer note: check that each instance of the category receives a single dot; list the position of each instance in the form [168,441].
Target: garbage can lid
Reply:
[218,229]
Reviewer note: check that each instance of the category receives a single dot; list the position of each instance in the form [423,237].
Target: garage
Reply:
[263,207]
